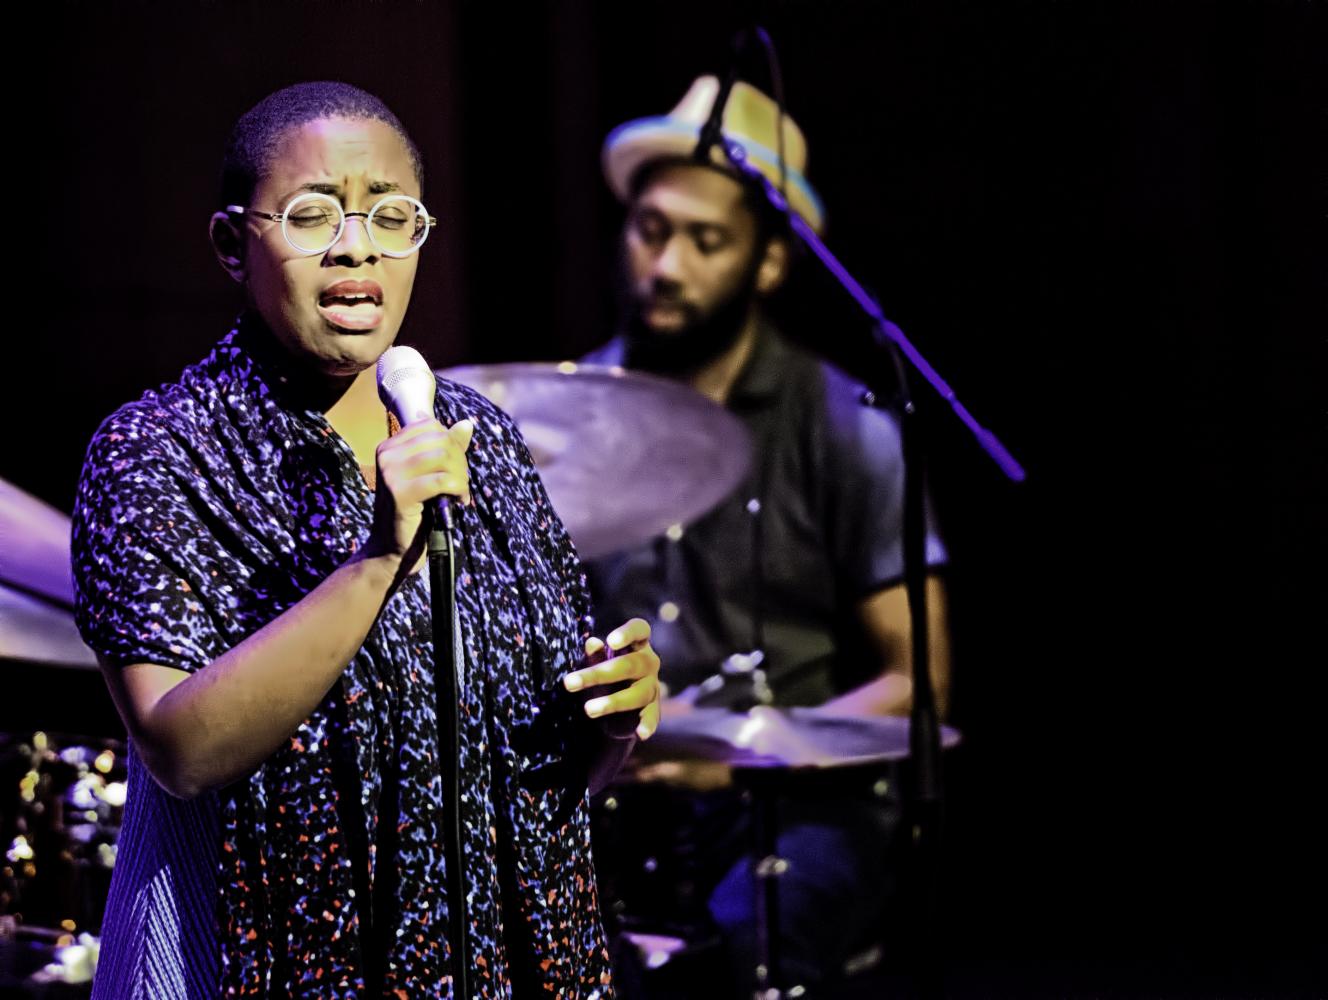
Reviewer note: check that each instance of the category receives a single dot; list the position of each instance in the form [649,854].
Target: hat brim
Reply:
[631,146]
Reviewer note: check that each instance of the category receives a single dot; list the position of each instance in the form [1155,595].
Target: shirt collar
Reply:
[761,376]
[263,369]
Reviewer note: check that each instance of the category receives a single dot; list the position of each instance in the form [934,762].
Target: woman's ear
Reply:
[228,244]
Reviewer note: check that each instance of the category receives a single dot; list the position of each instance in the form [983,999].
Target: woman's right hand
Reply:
[421,461]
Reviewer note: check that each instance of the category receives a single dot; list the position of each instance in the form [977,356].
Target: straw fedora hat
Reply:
[749,120]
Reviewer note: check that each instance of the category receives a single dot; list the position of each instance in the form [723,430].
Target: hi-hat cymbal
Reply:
[794,738]
[624,456]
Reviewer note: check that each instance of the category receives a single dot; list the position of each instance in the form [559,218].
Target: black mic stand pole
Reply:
[442,597]
[712,132]
[924,725]
[925,794]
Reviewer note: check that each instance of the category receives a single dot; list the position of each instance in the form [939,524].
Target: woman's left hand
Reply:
[631,665]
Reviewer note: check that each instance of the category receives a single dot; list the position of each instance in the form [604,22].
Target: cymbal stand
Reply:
[769,868]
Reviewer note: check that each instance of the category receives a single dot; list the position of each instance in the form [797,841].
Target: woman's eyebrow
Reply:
[328,188]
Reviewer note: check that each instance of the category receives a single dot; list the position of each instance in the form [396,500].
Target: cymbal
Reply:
[34,554]
[625,456]
[792,738]
[36,585]
[34,631]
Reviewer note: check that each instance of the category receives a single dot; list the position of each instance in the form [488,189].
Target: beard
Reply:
[703,336]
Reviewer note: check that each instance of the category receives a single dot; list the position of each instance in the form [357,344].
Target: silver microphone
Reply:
[406,386]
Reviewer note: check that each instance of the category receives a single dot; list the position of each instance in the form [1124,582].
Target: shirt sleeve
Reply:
[564,620]
[864,499]
[134,545]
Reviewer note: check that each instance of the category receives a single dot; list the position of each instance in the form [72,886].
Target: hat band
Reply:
[754,150]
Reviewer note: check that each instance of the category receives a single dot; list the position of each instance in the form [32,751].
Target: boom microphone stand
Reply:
[924,727]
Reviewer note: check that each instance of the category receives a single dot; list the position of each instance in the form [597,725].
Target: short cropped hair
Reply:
[253,140]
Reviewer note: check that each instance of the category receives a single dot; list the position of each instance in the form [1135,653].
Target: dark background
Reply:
[1104,223]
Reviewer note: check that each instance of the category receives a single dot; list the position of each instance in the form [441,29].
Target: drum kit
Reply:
[624,456]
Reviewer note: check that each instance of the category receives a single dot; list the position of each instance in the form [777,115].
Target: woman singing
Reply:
[246,546]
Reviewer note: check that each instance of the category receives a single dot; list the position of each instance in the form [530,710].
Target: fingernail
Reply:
[596,706]
[572,682]
[614,639]
[642,733]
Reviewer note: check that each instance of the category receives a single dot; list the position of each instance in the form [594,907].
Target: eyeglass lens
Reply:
[396,224]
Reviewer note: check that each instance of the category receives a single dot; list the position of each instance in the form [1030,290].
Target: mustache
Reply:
[663,295]
[661,291]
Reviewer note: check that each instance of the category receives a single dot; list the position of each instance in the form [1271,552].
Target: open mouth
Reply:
[352,305]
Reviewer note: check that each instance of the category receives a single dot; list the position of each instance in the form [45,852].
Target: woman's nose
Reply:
[354,243]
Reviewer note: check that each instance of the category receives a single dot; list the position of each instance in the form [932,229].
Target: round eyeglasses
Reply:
[397,225]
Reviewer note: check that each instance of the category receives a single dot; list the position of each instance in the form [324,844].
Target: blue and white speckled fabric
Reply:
[207,508]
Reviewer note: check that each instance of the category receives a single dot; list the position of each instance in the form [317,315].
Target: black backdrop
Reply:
[1103,223]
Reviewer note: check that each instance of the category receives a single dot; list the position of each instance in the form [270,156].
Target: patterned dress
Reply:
[206,509]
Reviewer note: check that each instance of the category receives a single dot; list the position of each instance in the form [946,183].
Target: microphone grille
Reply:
[395,362]
[405,383]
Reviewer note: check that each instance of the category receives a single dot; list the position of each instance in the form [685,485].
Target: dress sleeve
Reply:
[539,524]
[606,743]
[559,551]
[562,613]
[864,499]
[135,544]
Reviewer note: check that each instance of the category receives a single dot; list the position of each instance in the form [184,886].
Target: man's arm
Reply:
[884,617]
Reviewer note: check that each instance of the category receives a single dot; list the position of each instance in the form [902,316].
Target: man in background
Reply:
[797,577]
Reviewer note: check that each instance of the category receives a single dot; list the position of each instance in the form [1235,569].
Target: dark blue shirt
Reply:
[783,562]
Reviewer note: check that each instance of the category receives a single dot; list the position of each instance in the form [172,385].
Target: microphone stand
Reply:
[442,597]
[712,131]
[926,788]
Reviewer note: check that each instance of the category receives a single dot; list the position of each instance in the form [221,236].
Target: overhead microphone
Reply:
[406,385]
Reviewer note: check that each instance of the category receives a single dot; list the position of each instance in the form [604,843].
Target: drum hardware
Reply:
[769,748]
[740,684]
[63,804]
[774,753]
[770,867]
